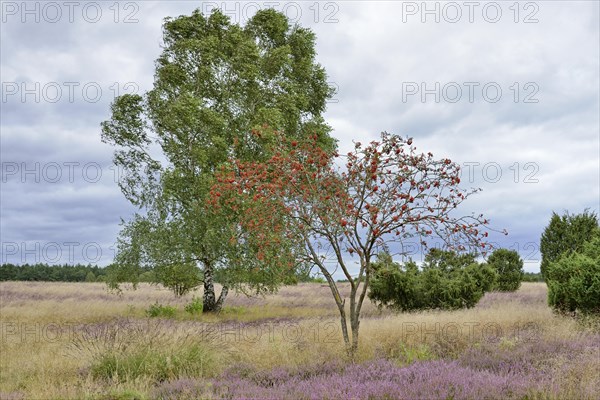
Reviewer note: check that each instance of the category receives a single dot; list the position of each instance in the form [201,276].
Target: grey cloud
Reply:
[369,54]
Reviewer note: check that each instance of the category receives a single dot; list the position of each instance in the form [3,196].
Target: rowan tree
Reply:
[385,193]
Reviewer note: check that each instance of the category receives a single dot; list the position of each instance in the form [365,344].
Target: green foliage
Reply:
[180,278]
[396,285]
[51,273]
[574,279]
[148,277]
[158,310]
[149,249]
[485,277]
[90,277]
[303,273]
[290,280]
[157,364]
[220,90]
[565,234]
[509,267]
[195,306]
[446,281]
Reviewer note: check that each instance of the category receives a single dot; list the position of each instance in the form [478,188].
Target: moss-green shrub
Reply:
[566,234]
[446,281]
[574,280]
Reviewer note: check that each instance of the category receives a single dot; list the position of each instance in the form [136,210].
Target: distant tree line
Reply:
[52,273]
[533,277]
[93,273]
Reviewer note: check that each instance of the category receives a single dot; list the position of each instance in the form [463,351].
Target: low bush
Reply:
[446,281]
[565,234]
[409,354]
[195,306]
[158,310]
[574,280]
[509,267]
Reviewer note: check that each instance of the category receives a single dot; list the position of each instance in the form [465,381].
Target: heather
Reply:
[380,379]
[527,371]
[509,369]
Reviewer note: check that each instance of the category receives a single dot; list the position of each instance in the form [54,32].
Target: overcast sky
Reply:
[509,90]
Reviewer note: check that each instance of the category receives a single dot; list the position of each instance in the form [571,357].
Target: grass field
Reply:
[75,340]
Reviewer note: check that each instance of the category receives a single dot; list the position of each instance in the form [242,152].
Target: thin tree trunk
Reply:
[222,297]
[355,313]
[345,329]
[341,303]
[354,325]
[208,298]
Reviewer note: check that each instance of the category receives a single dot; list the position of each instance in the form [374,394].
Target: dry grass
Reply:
[52,333]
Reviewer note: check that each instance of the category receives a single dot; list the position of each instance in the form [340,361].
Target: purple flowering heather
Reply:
[379,379]
[490,371]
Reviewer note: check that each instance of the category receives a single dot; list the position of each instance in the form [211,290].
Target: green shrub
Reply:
[394,285]
[195,306]
[485,276]
[447,281]
[565,234]
[410,354]
[90,277]
[509,267]
[574,280]
[158,310]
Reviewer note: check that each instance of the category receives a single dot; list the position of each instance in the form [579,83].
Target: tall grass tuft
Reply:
[126,350]
[153,363]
